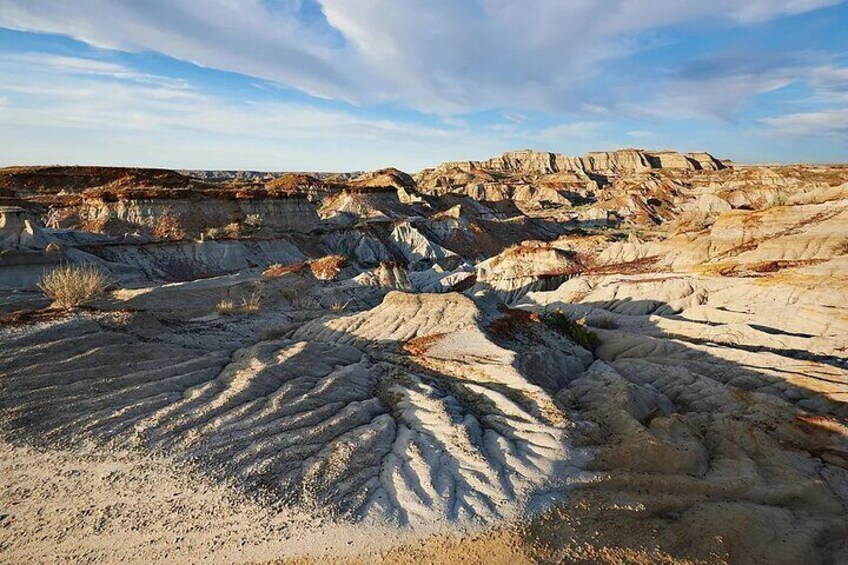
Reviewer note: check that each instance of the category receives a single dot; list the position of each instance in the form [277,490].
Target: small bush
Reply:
[514,325]
[248,305]
[230,231]
[214,233]
[576,331]
[71,286]
[338,307]
[253,221]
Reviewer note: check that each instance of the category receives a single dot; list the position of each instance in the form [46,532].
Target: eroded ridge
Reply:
[339,417]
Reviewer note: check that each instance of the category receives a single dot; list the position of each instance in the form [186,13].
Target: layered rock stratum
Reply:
[626,357]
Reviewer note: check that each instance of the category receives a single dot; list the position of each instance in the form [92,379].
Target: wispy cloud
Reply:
[443,56]
[825,123]
[101,100]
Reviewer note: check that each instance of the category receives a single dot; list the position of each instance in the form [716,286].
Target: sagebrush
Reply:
[72,286]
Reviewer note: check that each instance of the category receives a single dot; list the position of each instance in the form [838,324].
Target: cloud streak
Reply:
[92,100]
[826,123]
[443,56]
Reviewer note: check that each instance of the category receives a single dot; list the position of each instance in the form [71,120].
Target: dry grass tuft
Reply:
[248,305]
[253,221]
[230,231]
[338,307]
[71,286]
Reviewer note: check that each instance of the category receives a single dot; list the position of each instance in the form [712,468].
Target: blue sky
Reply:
[362,84]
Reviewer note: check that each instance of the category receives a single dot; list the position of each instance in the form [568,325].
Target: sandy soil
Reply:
[106,507]
[62,507]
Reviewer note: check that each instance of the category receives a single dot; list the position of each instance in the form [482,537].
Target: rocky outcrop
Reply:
[525,268]
[19,230]
[609,163]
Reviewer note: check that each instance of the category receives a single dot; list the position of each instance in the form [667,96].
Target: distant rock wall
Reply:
[607,163]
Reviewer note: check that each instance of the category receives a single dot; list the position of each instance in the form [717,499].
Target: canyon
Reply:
[627,357]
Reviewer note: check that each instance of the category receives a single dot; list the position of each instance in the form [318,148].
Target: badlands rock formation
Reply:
[634,356]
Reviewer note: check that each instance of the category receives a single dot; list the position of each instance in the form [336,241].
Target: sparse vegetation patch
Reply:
[72,286]
[251,304]
[575,330]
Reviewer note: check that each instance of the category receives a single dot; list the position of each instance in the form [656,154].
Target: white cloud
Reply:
[830,83]
[717,97]
[120,116]
[826,114]
[237,35]
[825,123]
[762,10]
[444,56]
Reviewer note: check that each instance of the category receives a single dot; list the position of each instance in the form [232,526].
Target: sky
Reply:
[343,85]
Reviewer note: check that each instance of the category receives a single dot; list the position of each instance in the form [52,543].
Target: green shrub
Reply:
[575,330]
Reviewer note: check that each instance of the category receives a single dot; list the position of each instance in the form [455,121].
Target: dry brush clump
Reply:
[253,221]
[339,307]
[513,324]
[419,345]
[251,304]
[71,286]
